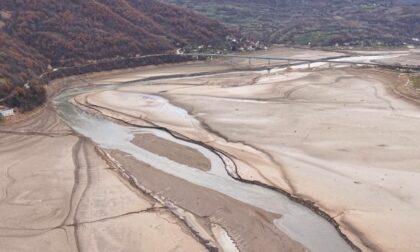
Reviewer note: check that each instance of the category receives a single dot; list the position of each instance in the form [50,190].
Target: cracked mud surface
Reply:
[57,194]
[250,227]
[306,132]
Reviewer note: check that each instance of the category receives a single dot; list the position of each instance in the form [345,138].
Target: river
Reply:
[297,221]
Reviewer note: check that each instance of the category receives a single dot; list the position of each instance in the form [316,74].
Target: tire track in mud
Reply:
[386,101]
[74,202]
[82,183]
[19,135]
[147,210]
[36,133]
[10,182]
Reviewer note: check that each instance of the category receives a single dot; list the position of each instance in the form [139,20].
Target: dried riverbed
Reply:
[302,131]
[170,160]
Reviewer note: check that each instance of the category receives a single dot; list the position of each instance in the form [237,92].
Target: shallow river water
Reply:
[297,221]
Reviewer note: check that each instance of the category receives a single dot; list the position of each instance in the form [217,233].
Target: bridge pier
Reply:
[249,61]
[309,65]
[269,62]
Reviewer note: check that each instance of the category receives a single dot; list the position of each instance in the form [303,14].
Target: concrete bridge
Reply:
[299,61]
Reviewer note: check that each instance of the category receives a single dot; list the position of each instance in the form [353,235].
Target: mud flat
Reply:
[178,153]
[339,138]
[58,194]
[249,228]
[296,228]
[193,193]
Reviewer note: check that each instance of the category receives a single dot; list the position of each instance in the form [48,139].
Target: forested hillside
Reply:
[320,22]
[38,33]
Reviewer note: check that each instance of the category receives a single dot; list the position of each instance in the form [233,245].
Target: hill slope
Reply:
[38,33]
[321,22]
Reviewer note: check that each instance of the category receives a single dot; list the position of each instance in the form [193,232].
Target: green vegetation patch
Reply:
[312,37]
[415,80]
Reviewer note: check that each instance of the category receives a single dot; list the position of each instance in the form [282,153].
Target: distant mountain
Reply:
[320,22]
[38,33]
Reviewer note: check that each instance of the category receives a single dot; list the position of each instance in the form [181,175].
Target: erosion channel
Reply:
[299,223]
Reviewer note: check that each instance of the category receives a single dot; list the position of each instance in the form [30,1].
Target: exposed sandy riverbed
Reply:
[250,228]
[178,153]
[339,138]
[57,194]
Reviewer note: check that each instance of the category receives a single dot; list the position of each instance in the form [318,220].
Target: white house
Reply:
[6,112]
